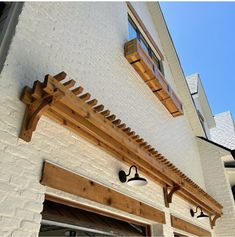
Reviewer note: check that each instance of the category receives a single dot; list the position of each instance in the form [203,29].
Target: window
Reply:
[133,32]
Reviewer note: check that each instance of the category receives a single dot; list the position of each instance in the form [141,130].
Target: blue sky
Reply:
[204,36]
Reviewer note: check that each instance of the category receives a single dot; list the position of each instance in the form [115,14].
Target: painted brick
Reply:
[86,40]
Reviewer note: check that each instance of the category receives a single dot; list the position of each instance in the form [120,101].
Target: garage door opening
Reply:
[64,220]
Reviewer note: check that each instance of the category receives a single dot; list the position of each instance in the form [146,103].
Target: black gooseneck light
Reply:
[135,181]
[201,215]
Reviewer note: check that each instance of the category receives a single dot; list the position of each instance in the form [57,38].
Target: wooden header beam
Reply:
[82,115]
[56,177]
[188,227]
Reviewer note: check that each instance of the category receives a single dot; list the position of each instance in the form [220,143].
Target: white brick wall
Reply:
[85,40]
[218,187]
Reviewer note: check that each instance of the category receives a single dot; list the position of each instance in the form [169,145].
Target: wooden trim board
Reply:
[56,177]
[102,212]
[188,227]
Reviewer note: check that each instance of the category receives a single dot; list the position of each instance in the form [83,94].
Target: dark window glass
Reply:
[133,33]
[144,45]
[2,7]
[156,61]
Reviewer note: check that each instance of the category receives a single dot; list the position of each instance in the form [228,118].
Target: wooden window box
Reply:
[150,73]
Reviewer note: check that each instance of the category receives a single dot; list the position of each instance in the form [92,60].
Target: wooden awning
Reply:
[84,116]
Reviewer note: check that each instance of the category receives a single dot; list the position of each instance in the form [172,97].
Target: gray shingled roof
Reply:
[192,81]
[224,132]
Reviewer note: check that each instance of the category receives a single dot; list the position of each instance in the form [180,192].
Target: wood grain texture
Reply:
[56,177]
[150,74]
[188,227]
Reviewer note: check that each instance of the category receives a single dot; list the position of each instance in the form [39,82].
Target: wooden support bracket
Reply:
[213,220]
[37,102]
[168,193]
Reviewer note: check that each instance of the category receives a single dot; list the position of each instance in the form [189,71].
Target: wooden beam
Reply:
[102,212]
[188,227]
[56,177]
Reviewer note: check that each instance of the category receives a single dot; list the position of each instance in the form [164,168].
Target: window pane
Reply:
[144,44]
[131,31]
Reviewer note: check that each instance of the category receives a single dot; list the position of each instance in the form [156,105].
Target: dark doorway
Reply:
[63,220]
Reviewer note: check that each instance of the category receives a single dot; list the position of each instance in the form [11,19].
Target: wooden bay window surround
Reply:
[76,111]
[148,65]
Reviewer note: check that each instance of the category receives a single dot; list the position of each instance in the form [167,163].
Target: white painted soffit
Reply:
[175,67]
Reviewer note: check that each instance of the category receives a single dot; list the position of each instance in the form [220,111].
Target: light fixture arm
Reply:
[133,166]
[198,207]
[135,181]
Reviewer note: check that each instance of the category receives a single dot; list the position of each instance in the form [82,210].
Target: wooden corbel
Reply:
[37,101]
[213,220]
[168,193]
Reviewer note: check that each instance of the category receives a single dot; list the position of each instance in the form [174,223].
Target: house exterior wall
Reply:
[224,132]
[86,40]
[218,186]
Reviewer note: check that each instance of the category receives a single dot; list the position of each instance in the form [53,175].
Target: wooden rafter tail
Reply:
[85,96]
[131,134]
[78,90]
[60,76]
[48,87]
[147,147]
[136,137]
[117,122]
[105,112]
[127,130]
[26,95]
[98,108]
[144,143]
[140,140]
[121,126]
[37,92]
[152,150]
[69,84]
[92,102]
[155,152]
[111,117]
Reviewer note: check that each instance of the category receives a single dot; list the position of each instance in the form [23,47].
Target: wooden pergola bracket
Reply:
[168,193]
[213,220]
[78,112]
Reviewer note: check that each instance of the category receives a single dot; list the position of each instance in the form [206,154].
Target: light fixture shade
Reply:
[137,181]
[202,215]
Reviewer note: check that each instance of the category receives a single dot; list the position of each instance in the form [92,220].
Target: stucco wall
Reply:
[85,40]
